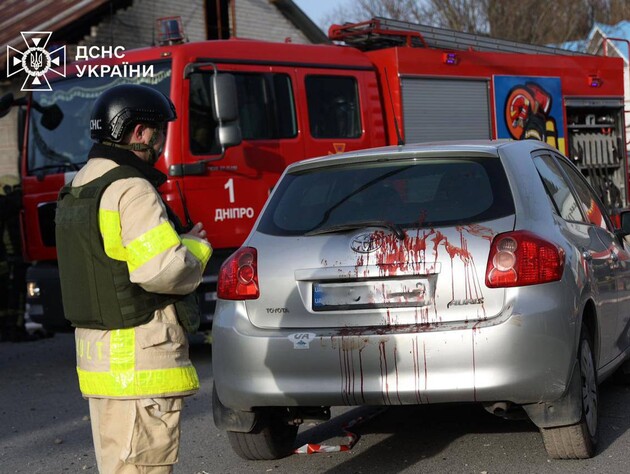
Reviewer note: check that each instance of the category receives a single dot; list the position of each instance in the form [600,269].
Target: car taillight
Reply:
[522,258]
[238,276]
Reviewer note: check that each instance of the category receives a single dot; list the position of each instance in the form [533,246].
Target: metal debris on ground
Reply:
[350,438]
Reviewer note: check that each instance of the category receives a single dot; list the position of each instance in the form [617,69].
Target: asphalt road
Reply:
[45,428]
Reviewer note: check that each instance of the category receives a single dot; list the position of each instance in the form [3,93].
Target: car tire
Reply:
[622,374]
[578,441]
[271,438]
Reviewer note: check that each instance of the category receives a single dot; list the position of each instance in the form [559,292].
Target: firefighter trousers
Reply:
[136,436]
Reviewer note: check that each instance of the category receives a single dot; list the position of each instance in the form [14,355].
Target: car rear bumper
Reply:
[517,357]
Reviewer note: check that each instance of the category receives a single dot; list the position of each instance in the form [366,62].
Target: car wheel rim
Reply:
[589,388]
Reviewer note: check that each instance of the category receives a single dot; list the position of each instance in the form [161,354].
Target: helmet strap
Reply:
[148,147]
[153,156]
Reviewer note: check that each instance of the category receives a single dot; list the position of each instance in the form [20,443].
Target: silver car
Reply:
[462,272]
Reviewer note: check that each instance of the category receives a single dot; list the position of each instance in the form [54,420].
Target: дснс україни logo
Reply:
[36,61]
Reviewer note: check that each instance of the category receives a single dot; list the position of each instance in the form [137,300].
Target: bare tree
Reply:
[362,10]
[610,11]
[536,21]
[461,15]
[529,21]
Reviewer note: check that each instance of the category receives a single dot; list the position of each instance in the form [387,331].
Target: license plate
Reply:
[413,292]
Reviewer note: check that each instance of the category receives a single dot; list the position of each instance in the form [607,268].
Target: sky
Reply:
[318,9]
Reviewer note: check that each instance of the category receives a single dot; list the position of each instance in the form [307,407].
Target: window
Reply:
[202,127]
[265,103]
[590,204]
[56,147]
[558,189]
[333,106]
[424,193]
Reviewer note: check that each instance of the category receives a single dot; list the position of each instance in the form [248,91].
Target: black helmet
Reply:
[118,108]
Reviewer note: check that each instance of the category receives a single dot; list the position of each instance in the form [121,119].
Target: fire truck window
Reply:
[285,106]
[253,98]
[70,101]
[202,125]
[333,106]
[265,105]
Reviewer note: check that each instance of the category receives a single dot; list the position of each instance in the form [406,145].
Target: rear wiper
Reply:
[398,230]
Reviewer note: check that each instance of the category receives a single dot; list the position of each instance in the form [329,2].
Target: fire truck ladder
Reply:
[383,32]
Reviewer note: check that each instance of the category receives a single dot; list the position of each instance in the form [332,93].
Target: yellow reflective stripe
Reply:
[201,251]
[141,383]
[122,350]
[141,249]
[123,380]
[109,223]
[150,244]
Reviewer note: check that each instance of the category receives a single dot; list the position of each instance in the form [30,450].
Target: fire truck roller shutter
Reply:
[445,109]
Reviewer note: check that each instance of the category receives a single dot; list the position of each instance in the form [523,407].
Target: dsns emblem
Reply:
[365,243]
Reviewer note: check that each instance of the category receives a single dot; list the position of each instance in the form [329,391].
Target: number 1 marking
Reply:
[230,187]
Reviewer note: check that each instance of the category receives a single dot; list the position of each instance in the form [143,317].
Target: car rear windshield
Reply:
[414,193]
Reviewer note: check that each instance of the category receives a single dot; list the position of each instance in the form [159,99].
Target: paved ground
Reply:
[44,428]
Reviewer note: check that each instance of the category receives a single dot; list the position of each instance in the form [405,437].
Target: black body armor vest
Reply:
[96,290]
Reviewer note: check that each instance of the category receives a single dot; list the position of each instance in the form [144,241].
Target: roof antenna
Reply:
[389,90]
[189,222]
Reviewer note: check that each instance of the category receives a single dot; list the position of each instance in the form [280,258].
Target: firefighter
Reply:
[12,266]
[128,272]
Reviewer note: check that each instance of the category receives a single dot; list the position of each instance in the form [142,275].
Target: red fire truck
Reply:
[392,82]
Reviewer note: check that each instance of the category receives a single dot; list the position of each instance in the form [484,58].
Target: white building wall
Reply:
[261,20]
[9,154]
[134,27]
[8,144]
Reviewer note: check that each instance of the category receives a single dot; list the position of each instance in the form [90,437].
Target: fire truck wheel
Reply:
[578,441]
[271,438]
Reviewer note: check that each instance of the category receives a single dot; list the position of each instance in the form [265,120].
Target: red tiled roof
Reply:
[17,16]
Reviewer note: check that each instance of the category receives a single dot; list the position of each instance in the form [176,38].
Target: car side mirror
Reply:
[224,99]
[6,102]
[225,109]
[52,115]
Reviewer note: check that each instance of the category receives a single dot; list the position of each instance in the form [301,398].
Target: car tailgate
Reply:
[369,277]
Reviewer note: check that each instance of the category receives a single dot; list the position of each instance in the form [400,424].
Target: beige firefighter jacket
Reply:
[150,360]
